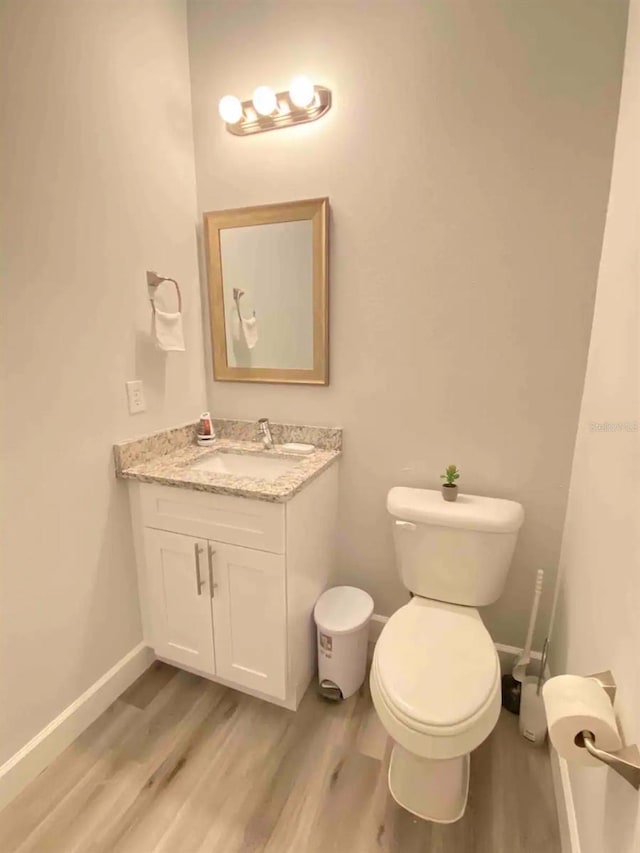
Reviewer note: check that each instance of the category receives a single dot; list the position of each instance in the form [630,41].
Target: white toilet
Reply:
[435,676]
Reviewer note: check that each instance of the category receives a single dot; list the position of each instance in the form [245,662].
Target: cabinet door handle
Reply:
[196,551]
[212,586]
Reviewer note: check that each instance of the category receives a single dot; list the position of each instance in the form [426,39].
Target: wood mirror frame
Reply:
[316,210]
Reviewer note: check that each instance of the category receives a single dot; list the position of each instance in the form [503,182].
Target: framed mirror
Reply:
[267,268]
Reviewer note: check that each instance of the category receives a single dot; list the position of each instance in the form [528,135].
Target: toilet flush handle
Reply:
[406,525]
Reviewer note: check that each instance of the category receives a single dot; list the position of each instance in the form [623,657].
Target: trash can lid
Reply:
[343,609]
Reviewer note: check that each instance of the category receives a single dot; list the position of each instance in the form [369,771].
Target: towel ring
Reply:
[155,280]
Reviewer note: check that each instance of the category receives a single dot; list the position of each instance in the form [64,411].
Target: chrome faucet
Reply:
[265,429]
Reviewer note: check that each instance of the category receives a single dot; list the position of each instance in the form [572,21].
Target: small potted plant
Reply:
[450,489]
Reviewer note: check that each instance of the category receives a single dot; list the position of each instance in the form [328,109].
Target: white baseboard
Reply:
[569,838]
[508,655]
[41,750]
[376,625]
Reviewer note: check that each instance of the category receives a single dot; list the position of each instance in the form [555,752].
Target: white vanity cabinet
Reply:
[228,584]
[177,602]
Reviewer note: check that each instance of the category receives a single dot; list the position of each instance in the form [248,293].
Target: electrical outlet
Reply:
[135,396]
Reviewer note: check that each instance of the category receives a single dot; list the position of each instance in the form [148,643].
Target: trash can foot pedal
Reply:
[329,690]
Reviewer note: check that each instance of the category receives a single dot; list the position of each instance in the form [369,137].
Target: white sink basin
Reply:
[245,465]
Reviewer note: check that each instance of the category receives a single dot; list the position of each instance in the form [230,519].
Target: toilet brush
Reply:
[512,682]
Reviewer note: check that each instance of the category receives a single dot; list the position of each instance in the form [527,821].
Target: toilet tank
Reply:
[460,551]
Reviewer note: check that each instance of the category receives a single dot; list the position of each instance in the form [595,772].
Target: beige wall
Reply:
[97,186]
[467,158]
[597,625]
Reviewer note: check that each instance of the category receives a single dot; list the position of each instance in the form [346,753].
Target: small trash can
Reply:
[342,617]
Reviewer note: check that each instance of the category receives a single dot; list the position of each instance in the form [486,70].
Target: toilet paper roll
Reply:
[575,704]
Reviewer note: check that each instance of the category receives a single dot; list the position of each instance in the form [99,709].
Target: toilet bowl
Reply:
[435,683]
[435,676]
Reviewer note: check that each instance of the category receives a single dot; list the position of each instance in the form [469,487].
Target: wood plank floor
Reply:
[181,765]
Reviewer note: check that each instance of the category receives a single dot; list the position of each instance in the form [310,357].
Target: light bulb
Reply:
[230,109]
[264,100]
[301,91]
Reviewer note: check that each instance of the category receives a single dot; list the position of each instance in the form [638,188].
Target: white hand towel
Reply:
[168,331]
[250,329]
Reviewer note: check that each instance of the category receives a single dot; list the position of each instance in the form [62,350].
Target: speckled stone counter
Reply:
[167,458]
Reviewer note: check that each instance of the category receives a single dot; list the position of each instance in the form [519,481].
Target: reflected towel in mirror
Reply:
[250,331]
[245,329]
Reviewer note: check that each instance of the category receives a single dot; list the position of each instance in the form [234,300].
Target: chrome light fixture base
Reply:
[286,113]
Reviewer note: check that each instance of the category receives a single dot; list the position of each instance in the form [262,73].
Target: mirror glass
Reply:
[268,292]
[267,280]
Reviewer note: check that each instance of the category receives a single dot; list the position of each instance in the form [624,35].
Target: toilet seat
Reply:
[435,678]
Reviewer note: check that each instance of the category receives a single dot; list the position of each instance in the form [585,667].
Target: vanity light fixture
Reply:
[230,109]
[301,91]
[268,110]
[264,100]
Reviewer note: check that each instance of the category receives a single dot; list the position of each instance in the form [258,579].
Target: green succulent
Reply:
[451,474]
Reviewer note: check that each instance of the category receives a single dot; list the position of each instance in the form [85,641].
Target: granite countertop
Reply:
[168,457]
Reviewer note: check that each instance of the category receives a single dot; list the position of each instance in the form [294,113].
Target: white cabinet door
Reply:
[177,576]
[250,618]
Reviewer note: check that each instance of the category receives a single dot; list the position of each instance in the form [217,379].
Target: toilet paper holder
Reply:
[625,762]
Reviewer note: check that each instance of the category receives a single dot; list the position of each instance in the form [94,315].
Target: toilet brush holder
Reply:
[533,719]
[533,715]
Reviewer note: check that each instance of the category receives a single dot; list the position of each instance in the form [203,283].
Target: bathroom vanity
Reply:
[233,547]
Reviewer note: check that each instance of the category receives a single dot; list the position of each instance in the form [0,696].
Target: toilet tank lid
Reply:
[468,512]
